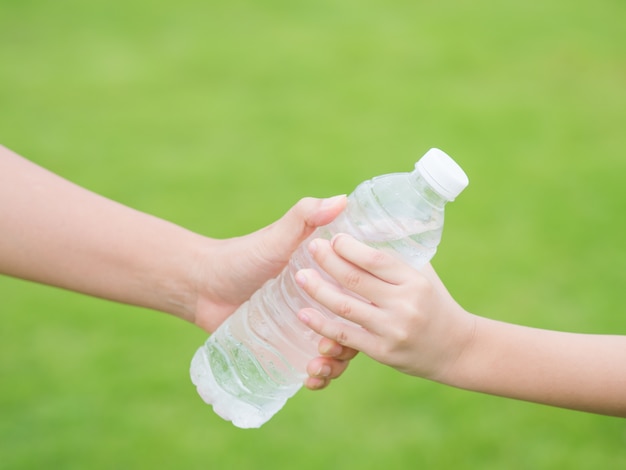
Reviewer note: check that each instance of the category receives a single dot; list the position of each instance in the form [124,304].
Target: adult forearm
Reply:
[57,233]
[576,371]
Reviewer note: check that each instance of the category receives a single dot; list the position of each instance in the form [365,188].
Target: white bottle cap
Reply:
[442,173]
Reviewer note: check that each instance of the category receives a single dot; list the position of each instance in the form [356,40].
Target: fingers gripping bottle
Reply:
[257,358]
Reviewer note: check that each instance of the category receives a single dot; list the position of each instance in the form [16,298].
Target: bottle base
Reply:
[242,414]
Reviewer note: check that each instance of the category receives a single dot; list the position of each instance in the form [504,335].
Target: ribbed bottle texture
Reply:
[257,358]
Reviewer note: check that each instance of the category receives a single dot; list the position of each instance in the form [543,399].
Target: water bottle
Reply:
[257,358]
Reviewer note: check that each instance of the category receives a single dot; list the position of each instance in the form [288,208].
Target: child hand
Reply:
[400,316]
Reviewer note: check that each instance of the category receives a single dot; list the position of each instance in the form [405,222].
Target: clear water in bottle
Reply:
[256,360]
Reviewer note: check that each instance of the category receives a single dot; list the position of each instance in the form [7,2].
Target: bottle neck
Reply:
[427,191]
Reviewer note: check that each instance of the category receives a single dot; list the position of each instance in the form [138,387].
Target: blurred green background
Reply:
[219,115]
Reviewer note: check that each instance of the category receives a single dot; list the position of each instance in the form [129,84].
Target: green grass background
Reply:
[219,115]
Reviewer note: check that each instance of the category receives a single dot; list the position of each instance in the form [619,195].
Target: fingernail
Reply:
[304,318]
[329,202]
[332,240]
[312,246]
[323,371]
[300,278]
[330,349]
[316,383]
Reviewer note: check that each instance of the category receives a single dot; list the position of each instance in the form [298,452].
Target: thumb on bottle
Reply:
[284,235]
[327,210]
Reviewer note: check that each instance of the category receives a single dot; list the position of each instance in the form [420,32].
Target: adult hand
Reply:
[233,269]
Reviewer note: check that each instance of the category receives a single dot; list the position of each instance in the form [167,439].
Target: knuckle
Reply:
[422,285]
[401,337]
[344,309]
[299,210]
[342,337]
[377,258]
[352,279]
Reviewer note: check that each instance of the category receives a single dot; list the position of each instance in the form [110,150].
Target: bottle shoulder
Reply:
[386,207]
[398,195]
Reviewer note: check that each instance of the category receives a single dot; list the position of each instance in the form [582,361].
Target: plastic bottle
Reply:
[257,358]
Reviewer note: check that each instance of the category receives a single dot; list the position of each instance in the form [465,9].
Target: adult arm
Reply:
[60,234]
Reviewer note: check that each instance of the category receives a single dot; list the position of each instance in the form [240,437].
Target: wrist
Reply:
[462,350]
[178,289]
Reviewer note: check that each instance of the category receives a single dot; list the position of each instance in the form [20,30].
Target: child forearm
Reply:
[568,370]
